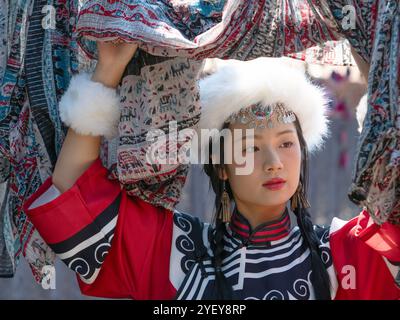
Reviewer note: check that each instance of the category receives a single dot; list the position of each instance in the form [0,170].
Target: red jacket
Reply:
[135,260]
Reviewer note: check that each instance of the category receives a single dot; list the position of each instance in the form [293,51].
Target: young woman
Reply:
[123,247]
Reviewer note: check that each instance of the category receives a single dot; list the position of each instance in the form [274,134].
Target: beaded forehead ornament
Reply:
[255,114]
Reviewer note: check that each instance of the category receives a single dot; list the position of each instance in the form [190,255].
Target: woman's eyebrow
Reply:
[284,132]
[256,136]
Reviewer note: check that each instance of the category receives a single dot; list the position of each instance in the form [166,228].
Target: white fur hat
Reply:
[234,85]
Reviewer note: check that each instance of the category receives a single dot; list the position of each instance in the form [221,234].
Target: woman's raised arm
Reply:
[79,151]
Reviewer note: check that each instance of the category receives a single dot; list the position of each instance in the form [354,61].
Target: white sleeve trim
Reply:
[394,270]
[336,225]
[51,193]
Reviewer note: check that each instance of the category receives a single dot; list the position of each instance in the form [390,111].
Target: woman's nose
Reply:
[272,162]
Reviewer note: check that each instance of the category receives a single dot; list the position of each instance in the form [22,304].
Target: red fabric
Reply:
[360,246]
[384,239]
[140,254]
[75,208]
[137,265]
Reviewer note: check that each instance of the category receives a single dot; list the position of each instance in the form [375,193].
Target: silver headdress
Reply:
[255,114]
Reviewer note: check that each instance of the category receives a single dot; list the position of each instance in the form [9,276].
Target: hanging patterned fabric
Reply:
[249,29]
[40,58]
[6,258]
[376,179]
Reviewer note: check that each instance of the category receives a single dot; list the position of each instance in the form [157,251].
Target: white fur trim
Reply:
[238,84]
[90,108]
[361,111]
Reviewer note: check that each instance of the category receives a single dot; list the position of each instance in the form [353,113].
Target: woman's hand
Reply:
[113,59]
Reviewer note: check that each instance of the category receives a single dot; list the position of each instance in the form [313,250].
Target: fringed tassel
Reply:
[226,207]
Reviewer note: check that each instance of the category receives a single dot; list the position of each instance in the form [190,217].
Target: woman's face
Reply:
[276,153]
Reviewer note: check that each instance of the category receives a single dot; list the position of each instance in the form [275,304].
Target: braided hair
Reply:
[223,290]
[319,275]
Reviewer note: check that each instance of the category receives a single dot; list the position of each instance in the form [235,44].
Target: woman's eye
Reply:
[287,144]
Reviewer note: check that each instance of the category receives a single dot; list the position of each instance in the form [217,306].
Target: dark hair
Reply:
[319,275]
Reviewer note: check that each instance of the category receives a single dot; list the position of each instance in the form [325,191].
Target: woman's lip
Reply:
[275,186]
[274,181]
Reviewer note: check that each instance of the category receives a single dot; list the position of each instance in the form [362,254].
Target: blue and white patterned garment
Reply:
[270,262]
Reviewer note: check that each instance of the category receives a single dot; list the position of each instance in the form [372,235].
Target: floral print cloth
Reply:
[37,61]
